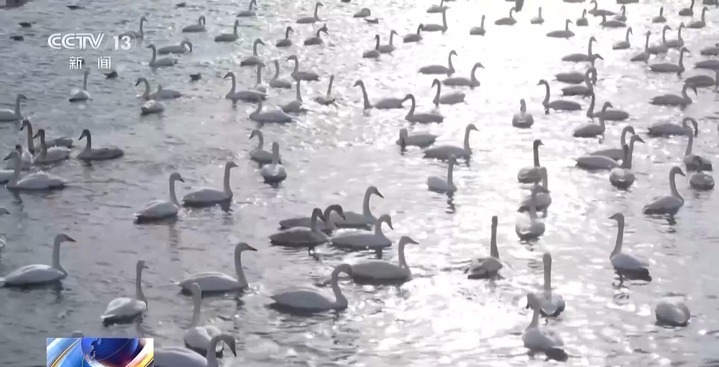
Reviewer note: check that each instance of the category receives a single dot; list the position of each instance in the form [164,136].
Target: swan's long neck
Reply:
[449,61]
[30,140]
[56,257]
[474,74]
[238,268]
[329,87]
[646,43]
[88,142]
[173,196]
[533,205]
[444,19]
[226,182]
[685,96]
[234,29]
[535,319]
[314,223]
[142,28]
[673,186]
[400,253]
[317,9]
[138,287]
[196,306]
[467,148]
[43,145]
[536,155]
[340,299]
[17,108]
[620,237]
[259,75]
[378,227]
[260,140]
[391,37]
[630,153]
[664,35]
[16,171]
[548,276]
[626,36]
[154,56]
[297,66]
[589,48]
[601,122]
[411,108]
[277,70]
[365,97]
[254,48]
[146,94]
[493,251]
[436,96]
[376,43]
[450,173]
[298,94]
[287,33]
[234,84]
[275,155]
[590,110]
[481,25]
[84,81]
[546,94]
[366,211]
[690,143]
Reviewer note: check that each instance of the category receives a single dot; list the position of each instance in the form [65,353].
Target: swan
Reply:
[712,64]
[672,313]
[576,77]
[38,274]
[418,140]
[710,51]
[679,42]
[197,337]
[258,154]
[7,115]
[218,282]
[460,81]
[384,103]
[596,162]
[507,20]
[606,113]
[532,174]
[162,93]
[180,356]
[285,42]
[274,172]
[364,220]
[440,69]
[582,57]
[661,48]
[316,39]
[623,45]
[522,119]
[161,209]
[295,106]
[302,236]
[622,16]
[692,161]
[557,104]
[373,53]
[622,177]
[486,267]
[152,107]
[538,19]
[33,182]
[313,18]
[449,98]
[184,47]
[666,129]
[669,204]
[243,95]
[444,152]
[362,240]
[414,37]
[660,18]
[423,118]
[83,94]
[259,86]
[124,309]
[162,62]
[250,12]
[55,142]
[582,22]
[592,130]
[564,33]
[437,8]
[599,12]
[199,27]
[146,94]
[327,99]
[670,68]
[310,301]
[274,116]
[211,196]
[673,99]
[326,227]
[616,153]
[611,23]
[543,199]
[623,262]
[551,303]
[583,90]
[699,23]
[229,37]
[254,59]
[530,227]
[703,81]
[298,74]
[275,82]
[478,31]
[97,154]
[437,27]
[440,185]
[26,161]
[49,155]
[644,55]
[363,13]
[383,272]
[687,12]
[136,34]
[536,338]
[700,180]
[388,48]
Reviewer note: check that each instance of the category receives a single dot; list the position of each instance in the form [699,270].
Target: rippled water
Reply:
[332,154]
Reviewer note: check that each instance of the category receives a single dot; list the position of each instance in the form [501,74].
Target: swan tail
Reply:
[557,354]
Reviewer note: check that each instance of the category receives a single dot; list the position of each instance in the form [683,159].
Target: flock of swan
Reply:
[204,343]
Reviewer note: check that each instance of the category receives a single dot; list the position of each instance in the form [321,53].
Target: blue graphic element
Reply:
[111,352]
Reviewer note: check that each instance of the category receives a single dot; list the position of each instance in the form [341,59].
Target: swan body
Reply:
[444,152]
[459,81]
[437,27]
[161,209]
[218,282]
[448,98]
[97,154]
[478,31]
[364,220]
[302,236]
[564,33]
[701,181]
[522,119]
[692,161]
[669,204]
[229,37]
[298,74]
[559,104]
[327,99]
[211,196]
[183,48]
[596,162]
[123,309]
[38,274]
[388,48]
[672,313]
[258,154]
[673,99]
[582,57]
[316,39]
[536,338]
[274,172]
[48,155]
[197,337]
[311,301]
[667,129]
[507,20]
[37,181]
[623,45]
[486,267]
[314,18]
[250,12]
[532,174]
[382,104]
[697,24]
[27,158]
[274,116]
[439,184]
[136,34]
[702,81]
[440,69]
[325,226]
[551,303]
[712,64]
[161,62]
[710,51]
[152,107]
[383,272]
[622,177]
[621,261]
[616,153]
[414,37]
[7,115]
[417,140]
[362,13]
[26,161]
[543,199]
[531,227]
[179,356]
[242,95]
[199,27]
[423,118]
[668,67]
[364,240]
[285,42]
[83,94]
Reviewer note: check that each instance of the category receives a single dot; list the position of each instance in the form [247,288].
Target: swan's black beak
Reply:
[528,306]
[8,157]
[251,248]
[180,179]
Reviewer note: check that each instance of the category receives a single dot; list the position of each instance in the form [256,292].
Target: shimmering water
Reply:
[332,154]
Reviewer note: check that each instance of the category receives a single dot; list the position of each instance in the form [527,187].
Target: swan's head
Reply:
[471,127]
[40,133]
[542,82]
[597,56]
[393,32]
[407,239]
[683,50]
[681,25]
[435,82]
[289,30]
[478,65]
[376,37]
[18,149]
[591,39]
[254,133]
[317,212]
[188,43]
[522,103]
[230,164]
[143,19]
[201,19]
[452,160]
[334,208]
[373,190]
[533,301]
[237,23]
[323,29]
[694,124]
[666,28]
[176,177]
[229,75]
[25,122]
[13,154]
[619,217]
[629,129]
[547,259]
[607,105]
[584,12]
[570,21]
[141,265]
[636,138]
[293,57]
[139,80]
[358,83]
[453,53]
[408,97]
[495,221]
[259,42]
[152,46]
[63,238]
[386,219]
[21,97]
[243,246]
[537,142]
[696,159]
[421,26]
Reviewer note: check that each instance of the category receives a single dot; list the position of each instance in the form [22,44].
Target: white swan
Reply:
[276,82]
[180,356]
[486,267]
[563,33]
[623,45]
[362,13]
[274,116]
[617,153]
[622,16]
[699,23]
[383,272]
[199,27]
[666,129]
[388,48]
[97,154]
[210,196]
[599,12]
[250,12]
[623,262]
[161,209]
[478,31]
[327,99]
[536,338]
[532,174]
[218,282]
[582,57]
[242,95]
[259,86]
[679,42]
[522,119]
[669,204]
[660,18]
[443,152]
[605,113]
[327,226]
[299,237]
[644,55]
[37,274]
[557,104]
[310,301]
[421,140]
[285,42]
[82,94]
[298,74]
[661,48]
[162,93]
[363,240]
[423,118]
[162,62]
[63,141]
[712,64]
[672,313]
[710,51]
[7,115]
[437,27]
[382,104]
[592,130]
[687,12]
[694,162]
[665,67]
[258,154]
[197,337]
[33,182]
[414,37]
[7,173]
[530,227]
[439,184]
[448,98]
[700,180]
[507,20]
[673,99]
[612,23]
[351,219]
[184,47]
[152,107]
[543,199]
[622,177]
[460,81]
[124,309]
[434,9]
[313,18]
[295,106]
[440,69]
[551,303]
[538,19]
[48,155]
[274,172]
[229,37]
[576,77]
[136,34]
[373,53]
[703,81]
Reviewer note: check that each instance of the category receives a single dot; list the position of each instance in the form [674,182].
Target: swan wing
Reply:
[387,103]
[484,267]
[205,195]
[178,356]
[593,162]
[298,236]
[40,181]
[378,271]
[351,220]
[672,313]
[663,205]
[541,339]
[361,241]
[444,152]
[552,303]
[295,222]
[420,140]
[434,69]
[5,175]
[212,282]
[261,156]
[628,262]
[32,274]
[302,299]
[123,307]
[158,209]
[437,184]
[529,174]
